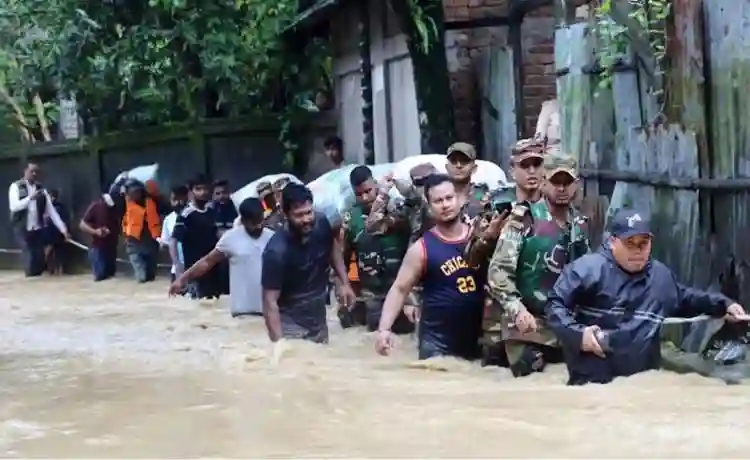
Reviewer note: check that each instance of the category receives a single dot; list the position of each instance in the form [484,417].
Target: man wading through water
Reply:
[242,247]
[296,264]
[29,206]
[536,242]
[141,229]
[416,210]
[195,229]
[451,313]
[379,237]
[226,214]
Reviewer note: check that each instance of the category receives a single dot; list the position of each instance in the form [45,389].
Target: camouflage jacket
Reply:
[530,253]
[478,251]
[379,253]
[275,219]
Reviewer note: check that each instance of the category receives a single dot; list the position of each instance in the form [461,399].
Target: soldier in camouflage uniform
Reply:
[461,164]
[536,242]
[526,158]
[379,236]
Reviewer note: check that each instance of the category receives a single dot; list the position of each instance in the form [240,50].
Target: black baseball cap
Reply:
[629,222]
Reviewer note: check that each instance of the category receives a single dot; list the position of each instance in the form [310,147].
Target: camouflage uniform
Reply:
[531,252]
[380,240]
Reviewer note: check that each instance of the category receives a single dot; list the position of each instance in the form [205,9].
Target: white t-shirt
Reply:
[245,255]
[167,228]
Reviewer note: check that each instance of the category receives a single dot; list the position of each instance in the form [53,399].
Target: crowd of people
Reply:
[506,276]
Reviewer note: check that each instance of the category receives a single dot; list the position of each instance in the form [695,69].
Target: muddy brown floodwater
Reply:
[118,370]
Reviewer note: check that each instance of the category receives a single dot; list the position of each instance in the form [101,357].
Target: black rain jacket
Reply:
[629,308]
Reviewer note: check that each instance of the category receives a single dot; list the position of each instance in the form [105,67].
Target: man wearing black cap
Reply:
[607,308]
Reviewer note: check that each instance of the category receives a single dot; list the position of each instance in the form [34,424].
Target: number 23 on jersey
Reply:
[466,284]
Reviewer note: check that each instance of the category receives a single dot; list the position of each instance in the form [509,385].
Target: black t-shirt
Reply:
[196,230]
[226,213]
[300,270]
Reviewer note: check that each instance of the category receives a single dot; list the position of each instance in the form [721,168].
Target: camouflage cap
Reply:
[280,184]
[263,187]
[528,148]
[462,147]
[422,170]
[558,162]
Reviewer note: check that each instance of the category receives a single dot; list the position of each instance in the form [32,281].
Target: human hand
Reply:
[495,226]
[525,322]
[37,194]
[346,296]
[177,287]
[735,314]
[384,342]
[412,313]
[67,236]
[387,182]
[590,343]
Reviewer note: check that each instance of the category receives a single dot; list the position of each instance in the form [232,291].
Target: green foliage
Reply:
[612,43]
[426,29]
[131,63]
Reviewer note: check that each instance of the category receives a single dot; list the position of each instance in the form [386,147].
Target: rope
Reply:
[82,247]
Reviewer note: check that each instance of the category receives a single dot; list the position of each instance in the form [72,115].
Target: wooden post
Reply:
[573,52]
[728,32]
[499,123]
[687,101]
[365,64]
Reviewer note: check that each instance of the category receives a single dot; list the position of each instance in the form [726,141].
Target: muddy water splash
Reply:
[116,370]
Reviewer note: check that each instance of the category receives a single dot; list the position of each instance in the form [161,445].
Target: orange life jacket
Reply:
[353,271]
[136,215]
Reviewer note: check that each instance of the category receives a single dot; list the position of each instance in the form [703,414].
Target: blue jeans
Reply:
[103,262]
[32,251]
[142,256]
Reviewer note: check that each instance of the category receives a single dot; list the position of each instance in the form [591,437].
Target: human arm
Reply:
[408,276]
[694,302]
[54,216]
[16,204]
[200,268]
[86,222]
[501,274]
[485,234]
[272,280]
[337,257]
[561,303]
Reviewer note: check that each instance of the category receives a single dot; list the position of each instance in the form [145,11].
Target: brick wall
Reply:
[468,49]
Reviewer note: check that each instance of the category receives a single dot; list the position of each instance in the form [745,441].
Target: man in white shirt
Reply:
[29,205]
[243,246]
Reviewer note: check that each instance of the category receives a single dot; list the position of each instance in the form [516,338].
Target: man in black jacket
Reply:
[607,308]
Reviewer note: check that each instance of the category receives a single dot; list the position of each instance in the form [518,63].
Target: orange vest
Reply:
[136,215]
[353,271]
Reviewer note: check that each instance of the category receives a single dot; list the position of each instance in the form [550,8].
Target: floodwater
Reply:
[117,370]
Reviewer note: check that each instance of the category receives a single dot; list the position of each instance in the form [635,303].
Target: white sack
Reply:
[487,173]
[249,190]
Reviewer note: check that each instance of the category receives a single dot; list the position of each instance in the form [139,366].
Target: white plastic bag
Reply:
[143,174]
[249,190]
[487,173]
[333,194]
